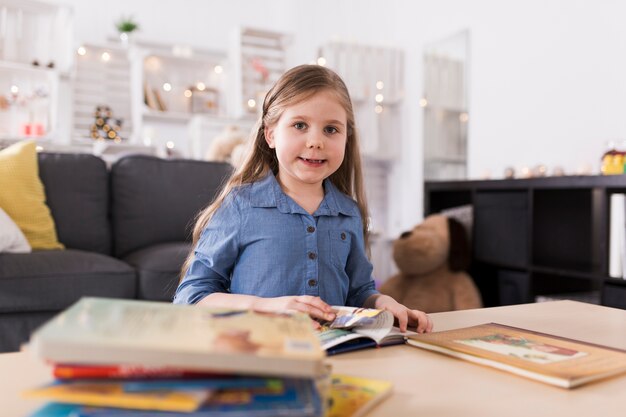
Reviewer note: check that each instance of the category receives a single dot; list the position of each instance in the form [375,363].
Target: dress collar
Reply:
[267,193]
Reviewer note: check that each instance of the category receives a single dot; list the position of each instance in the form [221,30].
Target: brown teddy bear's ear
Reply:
[459,256]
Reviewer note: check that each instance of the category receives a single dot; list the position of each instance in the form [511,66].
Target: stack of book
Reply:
[139,358]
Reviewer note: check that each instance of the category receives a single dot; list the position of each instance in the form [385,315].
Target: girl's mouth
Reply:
[313,161]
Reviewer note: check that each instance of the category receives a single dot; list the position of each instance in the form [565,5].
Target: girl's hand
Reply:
[313,306]
[405,316]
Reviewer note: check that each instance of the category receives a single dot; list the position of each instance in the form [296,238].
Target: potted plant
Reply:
[125,26]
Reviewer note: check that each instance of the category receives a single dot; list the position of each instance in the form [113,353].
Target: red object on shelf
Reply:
[33,129]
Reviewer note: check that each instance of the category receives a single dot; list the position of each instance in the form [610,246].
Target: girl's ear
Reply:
[269,136]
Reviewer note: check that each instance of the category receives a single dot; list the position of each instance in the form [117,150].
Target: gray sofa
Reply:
[126,231]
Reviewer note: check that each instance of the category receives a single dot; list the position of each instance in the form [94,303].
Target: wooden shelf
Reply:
[536,236]
[583,272]
[167,116]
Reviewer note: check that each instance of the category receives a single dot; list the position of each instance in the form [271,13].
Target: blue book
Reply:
[196,384]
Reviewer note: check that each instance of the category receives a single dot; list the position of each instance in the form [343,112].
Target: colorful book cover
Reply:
[359,328]
[555,360]
[347,317]
[113,395]
[352,396]
[103,331]
[298,398]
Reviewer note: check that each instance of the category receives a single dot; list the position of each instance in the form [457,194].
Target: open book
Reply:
[555,360]
[104,331]
[357,328]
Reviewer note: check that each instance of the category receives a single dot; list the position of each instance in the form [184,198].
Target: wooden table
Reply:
[429,384]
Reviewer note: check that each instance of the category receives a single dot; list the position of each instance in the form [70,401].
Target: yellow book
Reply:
[351,396]
[551,359]
[101,331]
[113,395]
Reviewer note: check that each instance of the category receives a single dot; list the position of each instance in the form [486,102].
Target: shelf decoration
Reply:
[36,33]
[25,103]
[205,100]
[263,61]
[105,126]
[126,26]
[110,66]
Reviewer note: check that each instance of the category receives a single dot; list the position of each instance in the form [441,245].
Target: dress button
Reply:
[312,255]
[310,229]
[343,236]
[312,283]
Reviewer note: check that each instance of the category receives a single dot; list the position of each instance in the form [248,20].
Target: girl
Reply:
[289,229]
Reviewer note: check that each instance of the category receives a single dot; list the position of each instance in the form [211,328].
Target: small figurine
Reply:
[539,171]
[105,126]
[509,173]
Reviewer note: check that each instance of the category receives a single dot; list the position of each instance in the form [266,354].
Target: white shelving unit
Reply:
[102,78]
[36,32]
[446,115]
[33,61]
[204,128]
[28,103]
[375,79]
[259,58]
[172,84]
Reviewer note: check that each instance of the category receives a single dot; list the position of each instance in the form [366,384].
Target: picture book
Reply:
[113,395]
[555,360]
[297,398]
[352,396]
[103,331]
[358,328]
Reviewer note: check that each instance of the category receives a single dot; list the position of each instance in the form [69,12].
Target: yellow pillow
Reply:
[22,195]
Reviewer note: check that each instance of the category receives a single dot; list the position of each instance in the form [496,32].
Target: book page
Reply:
[349,317]
[378,328]
[333,337]
[367,322]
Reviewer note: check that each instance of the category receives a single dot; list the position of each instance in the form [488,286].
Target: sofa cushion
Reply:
[11,237]
[22,195]
[54,279]
[77,187]
[158,269]
[155,200]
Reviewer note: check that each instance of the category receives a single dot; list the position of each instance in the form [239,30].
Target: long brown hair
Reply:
[294,86]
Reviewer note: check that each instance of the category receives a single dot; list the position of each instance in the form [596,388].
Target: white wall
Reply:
[547,82]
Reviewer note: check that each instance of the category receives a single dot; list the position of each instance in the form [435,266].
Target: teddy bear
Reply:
[228,146]
[432,259]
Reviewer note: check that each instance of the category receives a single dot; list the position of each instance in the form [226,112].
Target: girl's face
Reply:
[310,141]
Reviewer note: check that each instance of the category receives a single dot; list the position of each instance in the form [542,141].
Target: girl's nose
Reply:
[315,140]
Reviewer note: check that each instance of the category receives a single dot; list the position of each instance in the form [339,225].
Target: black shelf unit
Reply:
[537,236]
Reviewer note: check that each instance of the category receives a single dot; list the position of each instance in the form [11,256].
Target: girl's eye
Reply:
[299,125]
[330,129]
